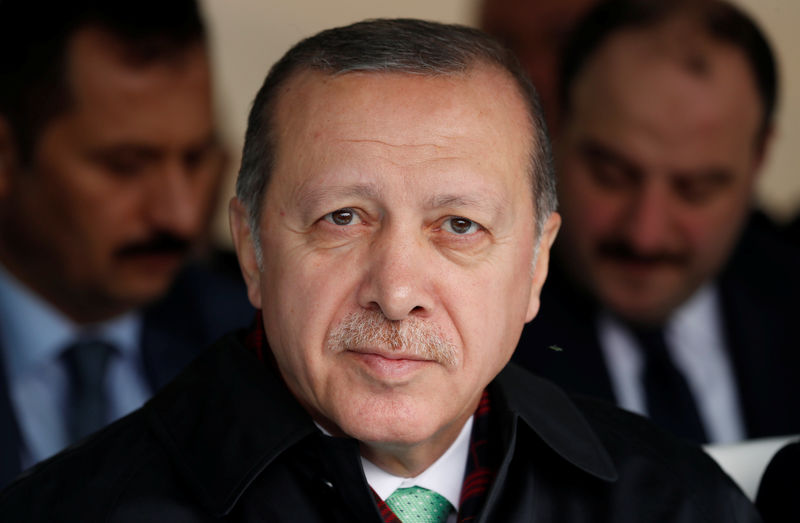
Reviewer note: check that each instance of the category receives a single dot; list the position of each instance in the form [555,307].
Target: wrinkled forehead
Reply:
[420,114]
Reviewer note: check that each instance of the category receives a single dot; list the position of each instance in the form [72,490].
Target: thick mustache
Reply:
[410,337]
[160,243]
[623,251]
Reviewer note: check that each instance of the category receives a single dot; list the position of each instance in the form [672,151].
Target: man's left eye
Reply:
[342,217]
[461,226]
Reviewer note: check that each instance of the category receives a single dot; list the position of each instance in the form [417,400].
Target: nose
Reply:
[176,201]
[399,277]
[647,222]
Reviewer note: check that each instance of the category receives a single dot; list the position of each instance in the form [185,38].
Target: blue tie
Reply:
[87,400]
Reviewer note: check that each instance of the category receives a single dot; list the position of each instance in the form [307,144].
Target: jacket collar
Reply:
[225,419]
[228,416]
[551,414]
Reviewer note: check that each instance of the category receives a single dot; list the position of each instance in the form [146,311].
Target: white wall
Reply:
[780,184]
[248,36]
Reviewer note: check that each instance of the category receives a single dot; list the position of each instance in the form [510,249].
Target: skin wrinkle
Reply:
[498,207]
[400,146]
[474,294]
[311,200]
[444,205]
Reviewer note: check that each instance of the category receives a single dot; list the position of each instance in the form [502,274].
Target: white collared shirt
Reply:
[445,476]
[33,335]
[696,344]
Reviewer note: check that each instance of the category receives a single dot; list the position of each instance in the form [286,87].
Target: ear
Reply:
[245,250]
[549,232]
[762,150]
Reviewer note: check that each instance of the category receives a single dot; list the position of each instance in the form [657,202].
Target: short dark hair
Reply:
[721,20]
[35,36]
[402,46]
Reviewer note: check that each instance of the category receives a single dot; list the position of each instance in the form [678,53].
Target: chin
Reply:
[389,423]
[141,292]
[639,310]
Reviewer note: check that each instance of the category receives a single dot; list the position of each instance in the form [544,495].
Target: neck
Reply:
[411,460]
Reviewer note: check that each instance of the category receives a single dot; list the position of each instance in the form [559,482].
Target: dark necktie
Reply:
[670,403]
[87,400]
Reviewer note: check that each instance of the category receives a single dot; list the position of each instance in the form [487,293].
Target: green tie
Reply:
[419,505]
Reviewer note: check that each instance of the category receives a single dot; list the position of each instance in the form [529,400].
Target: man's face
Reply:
[398,236]
[120,185]
[657,163]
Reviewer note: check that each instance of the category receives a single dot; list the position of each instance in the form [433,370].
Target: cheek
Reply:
[712,233]
[67,213]
[489,309]
[105,210]
[589,213]
[303,292]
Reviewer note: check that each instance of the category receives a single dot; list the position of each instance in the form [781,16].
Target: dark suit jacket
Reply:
[227,441]
[780,486]
[760,294]
[200,307]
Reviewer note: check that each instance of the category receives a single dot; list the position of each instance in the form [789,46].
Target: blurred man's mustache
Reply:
[623,251]
[412,336]
[161,243]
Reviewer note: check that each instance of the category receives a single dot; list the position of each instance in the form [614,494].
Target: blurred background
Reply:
[248,36]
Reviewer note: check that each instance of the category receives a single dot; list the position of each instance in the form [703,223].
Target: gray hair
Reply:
[387,46]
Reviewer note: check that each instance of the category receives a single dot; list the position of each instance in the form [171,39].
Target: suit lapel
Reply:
[561,343]
[758,290]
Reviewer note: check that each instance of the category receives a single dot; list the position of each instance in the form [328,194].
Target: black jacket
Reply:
[780,486]
[759,289]
[227,441]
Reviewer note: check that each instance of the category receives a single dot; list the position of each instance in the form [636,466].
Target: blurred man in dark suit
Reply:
[667,296]
[109,169]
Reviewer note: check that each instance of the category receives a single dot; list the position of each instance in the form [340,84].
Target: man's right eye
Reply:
[122,164]
[125,167]
[609,176]
[343,217]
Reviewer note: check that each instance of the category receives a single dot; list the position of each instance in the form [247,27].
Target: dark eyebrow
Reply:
[597,152]
[715,175]
[142,152]
[150,151]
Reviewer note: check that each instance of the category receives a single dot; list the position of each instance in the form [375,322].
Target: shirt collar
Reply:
[33,332]
[439,477]
[695,313]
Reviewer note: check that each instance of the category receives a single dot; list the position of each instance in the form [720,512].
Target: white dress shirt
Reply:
[33,334]
[445,476]
[696,343]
